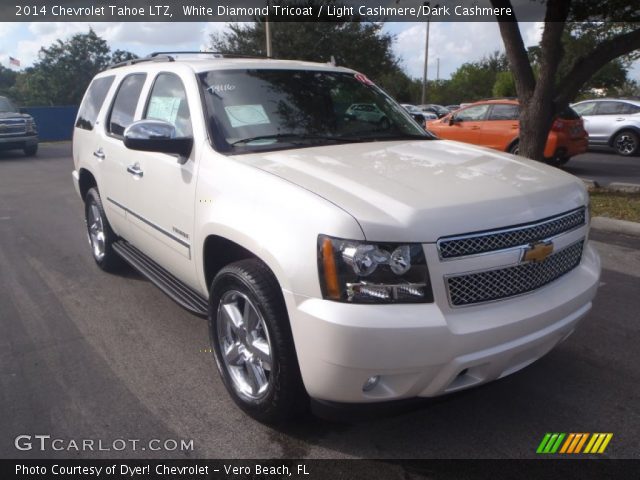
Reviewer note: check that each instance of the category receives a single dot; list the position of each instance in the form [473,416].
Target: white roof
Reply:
[203,63]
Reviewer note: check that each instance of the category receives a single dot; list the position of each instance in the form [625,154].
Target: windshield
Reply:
[257,110]
[6,105]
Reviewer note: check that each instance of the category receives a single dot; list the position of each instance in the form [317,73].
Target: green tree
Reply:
[547,90]
[7,79]
[63,70]
[358,45]
[474,81]
[505,85]
[578,42]
[122,56]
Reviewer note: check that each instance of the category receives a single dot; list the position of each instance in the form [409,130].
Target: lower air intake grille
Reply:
[472,288]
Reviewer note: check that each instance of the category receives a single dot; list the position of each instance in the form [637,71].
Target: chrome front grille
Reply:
[12,127]
[489,285]
[472,244]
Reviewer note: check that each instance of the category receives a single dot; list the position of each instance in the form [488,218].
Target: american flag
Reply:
[14,61]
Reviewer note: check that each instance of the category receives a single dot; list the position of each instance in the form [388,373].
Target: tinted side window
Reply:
[168,102]
[504,112]
[630,109]
[586,108]
[124,106]
[92,102]
[610,108]
[471,114]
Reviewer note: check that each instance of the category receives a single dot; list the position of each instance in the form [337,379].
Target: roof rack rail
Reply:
[170,57]
[156,58]
[216,54]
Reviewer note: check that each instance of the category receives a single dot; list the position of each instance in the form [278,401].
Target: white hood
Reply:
[418,191]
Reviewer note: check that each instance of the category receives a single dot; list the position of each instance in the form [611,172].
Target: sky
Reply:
[452,43]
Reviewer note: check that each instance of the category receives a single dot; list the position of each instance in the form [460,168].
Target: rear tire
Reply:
[101,236]
[252,343]
[514,149]
[626,143]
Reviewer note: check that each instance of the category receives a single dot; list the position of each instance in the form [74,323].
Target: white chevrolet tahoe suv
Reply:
[335,258]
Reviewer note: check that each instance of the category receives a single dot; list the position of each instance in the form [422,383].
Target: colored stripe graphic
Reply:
[573,443]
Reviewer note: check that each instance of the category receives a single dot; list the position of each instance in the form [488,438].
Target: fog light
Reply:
[371,383]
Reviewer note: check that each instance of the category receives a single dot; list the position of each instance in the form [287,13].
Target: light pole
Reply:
[267,32]
[426,58]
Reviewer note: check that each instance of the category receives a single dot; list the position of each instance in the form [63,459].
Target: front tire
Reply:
[514,149]
[626,143]
[101,236]
[252,343]
[31,150]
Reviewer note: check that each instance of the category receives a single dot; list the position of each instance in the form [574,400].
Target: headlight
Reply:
[364,272]
[30,125]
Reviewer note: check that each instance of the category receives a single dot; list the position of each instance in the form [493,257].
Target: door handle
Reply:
[475,128]
[619,119]
[135,170]
[99,154]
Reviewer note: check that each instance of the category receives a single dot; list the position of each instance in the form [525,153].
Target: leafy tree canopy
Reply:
[64,70]
[358,45]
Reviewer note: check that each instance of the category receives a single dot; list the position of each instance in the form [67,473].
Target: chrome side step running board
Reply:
[179,292]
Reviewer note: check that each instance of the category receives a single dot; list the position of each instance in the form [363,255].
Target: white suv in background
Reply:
[335,258]
[612,122]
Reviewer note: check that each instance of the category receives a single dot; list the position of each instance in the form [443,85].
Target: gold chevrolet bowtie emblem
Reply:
[537,252]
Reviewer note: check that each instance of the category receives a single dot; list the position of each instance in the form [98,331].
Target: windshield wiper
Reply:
[377,137]
[296,136]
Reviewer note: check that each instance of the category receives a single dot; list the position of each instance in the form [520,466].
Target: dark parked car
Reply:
[439,110]
[419,116]
[18,131]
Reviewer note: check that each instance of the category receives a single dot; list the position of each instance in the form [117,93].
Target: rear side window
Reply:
[93,101]
[630,109]
[124,106]
[504,112]
[610,108]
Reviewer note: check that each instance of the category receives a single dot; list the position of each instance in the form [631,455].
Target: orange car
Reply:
[495,124]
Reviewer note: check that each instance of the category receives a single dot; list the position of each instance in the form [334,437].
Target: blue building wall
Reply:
[54,123]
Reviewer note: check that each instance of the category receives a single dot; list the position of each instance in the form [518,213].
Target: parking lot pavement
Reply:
[87,355]
[605,166]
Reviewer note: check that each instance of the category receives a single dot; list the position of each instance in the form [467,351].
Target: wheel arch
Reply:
[86,181]
[511,144]
[632,128]
[219,251]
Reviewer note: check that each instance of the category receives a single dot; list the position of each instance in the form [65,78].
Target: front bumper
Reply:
[17,142]
[425,350]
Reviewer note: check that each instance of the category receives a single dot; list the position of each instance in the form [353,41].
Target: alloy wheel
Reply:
[95,229]
[244,344]
[625,144]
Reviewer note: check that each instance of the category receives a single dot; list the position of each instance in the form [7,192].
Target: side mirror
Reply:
[157,136]
[452,120]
